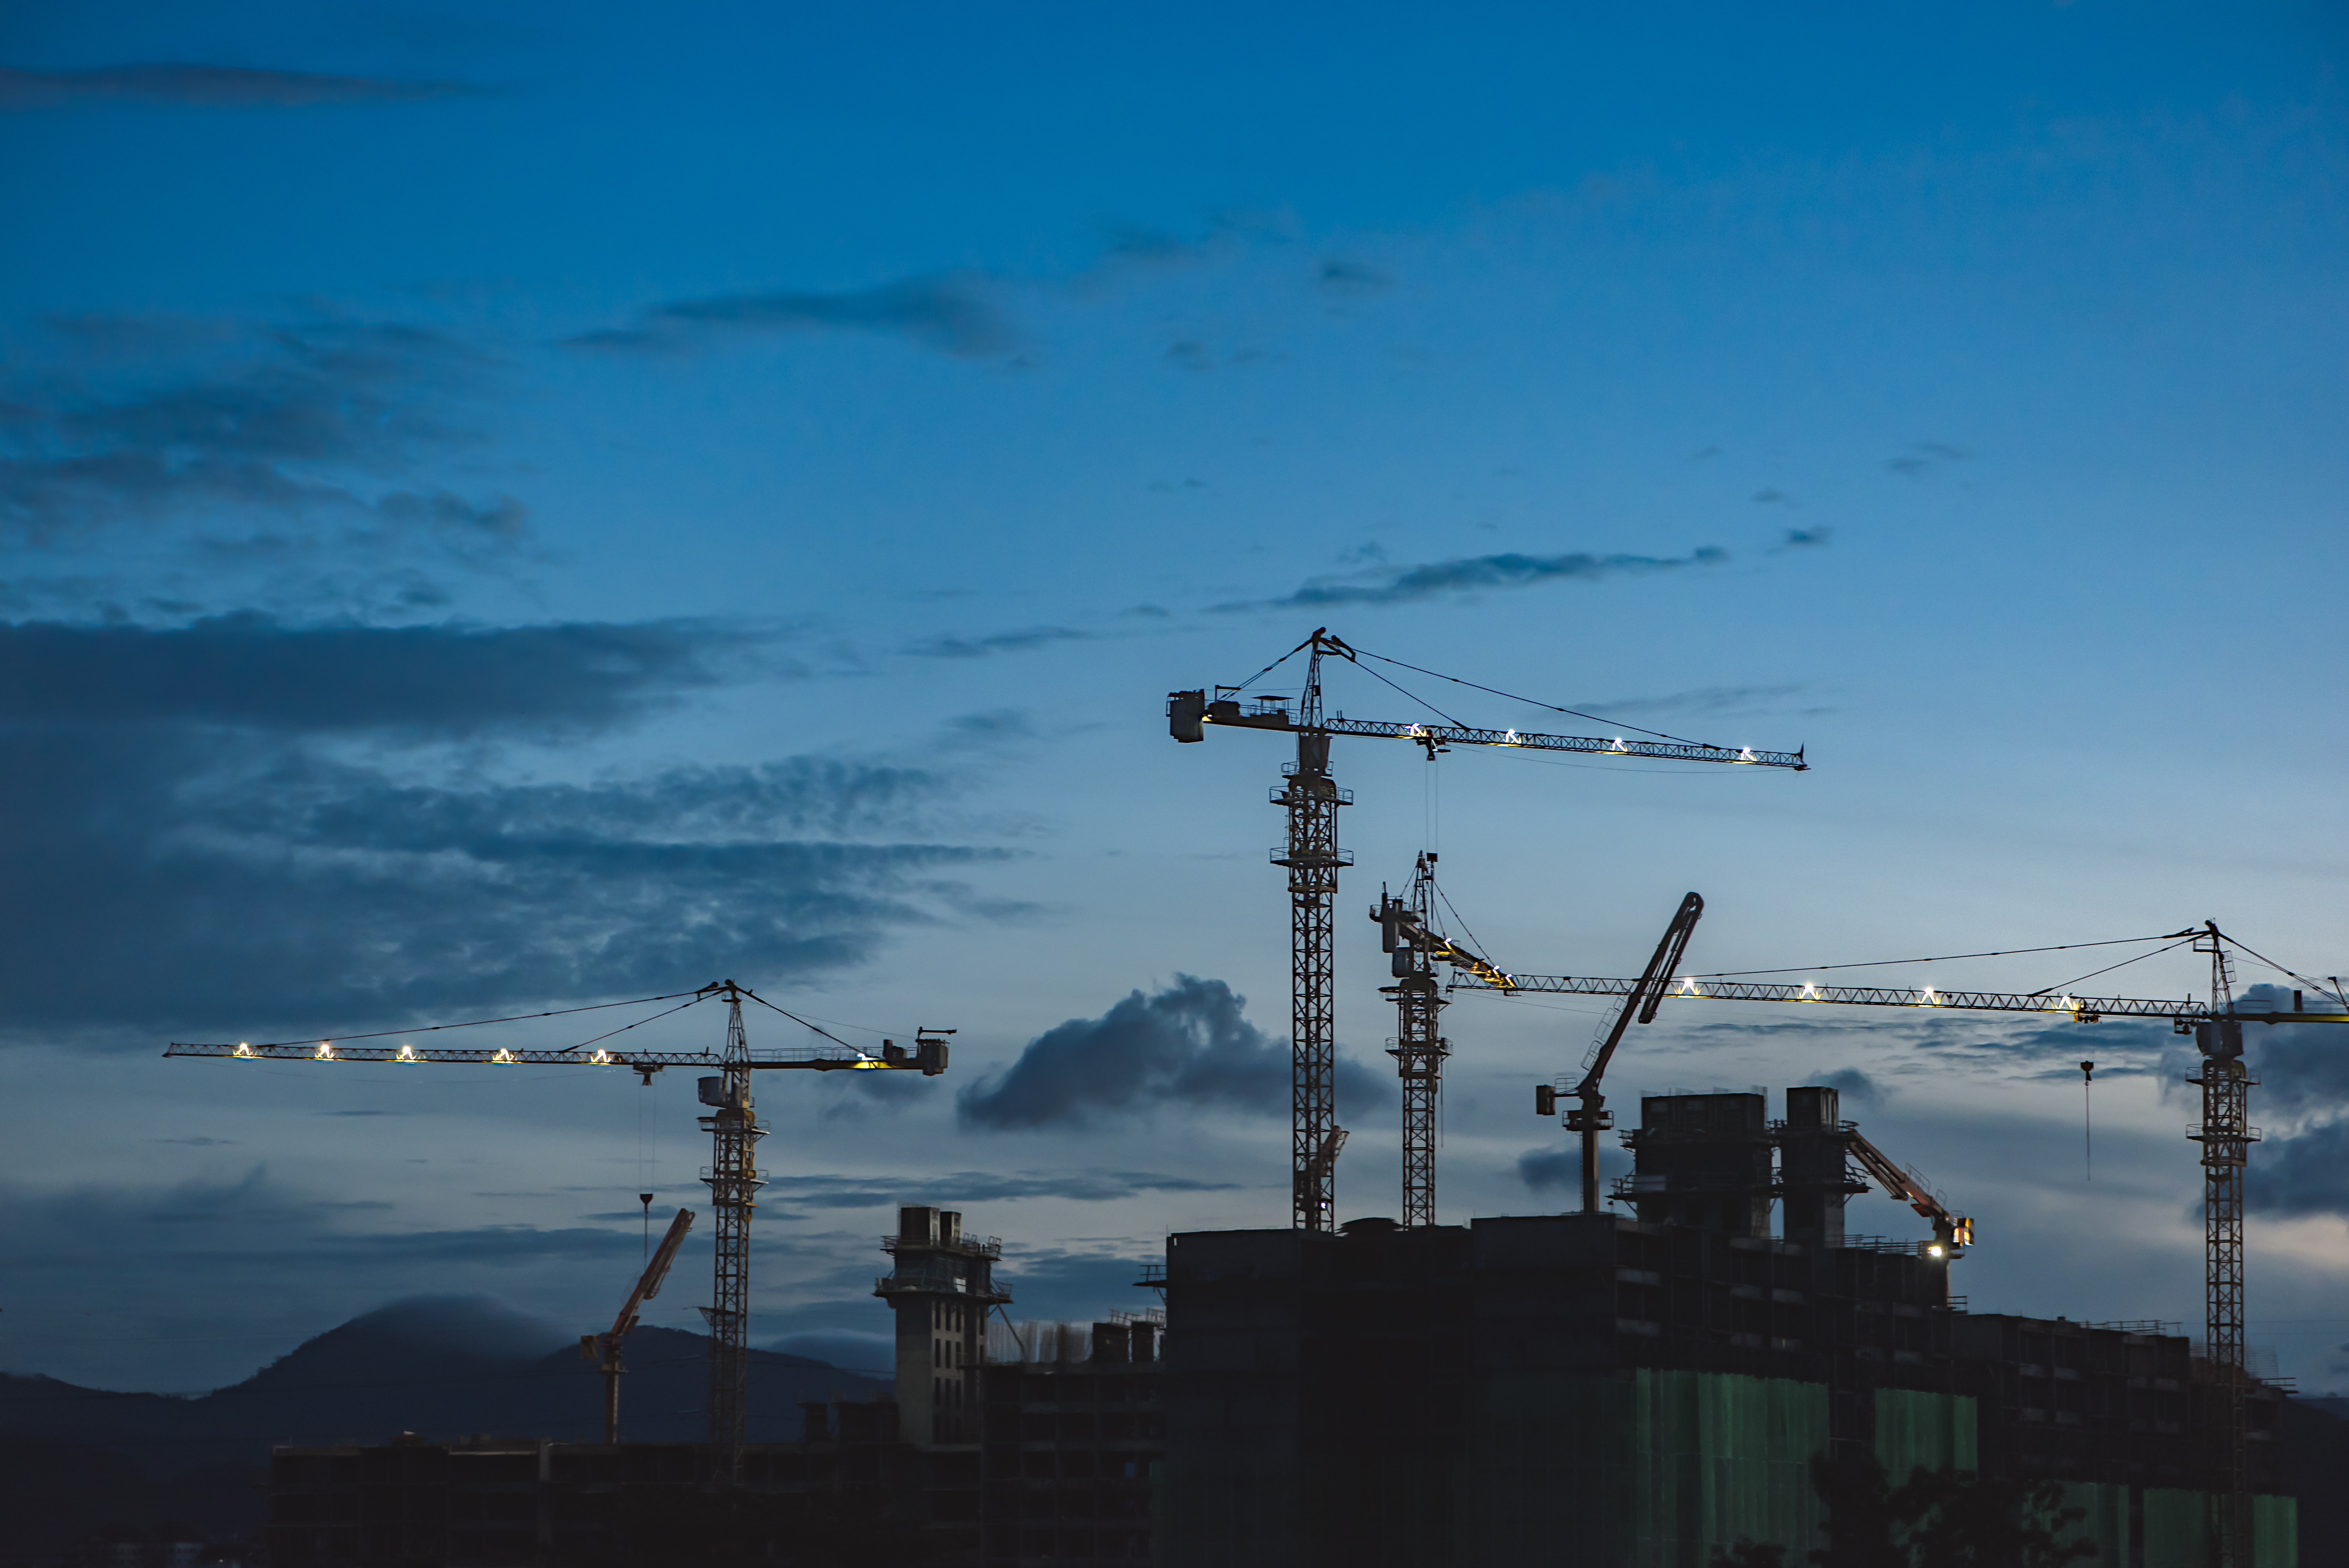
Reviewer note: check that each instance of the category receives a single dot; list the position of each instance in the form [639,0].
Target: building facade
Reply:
[1633,1391]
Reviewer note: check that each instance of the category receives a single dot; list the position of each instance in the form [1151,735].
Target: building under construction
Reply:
[1622,1391]
[1637,1391]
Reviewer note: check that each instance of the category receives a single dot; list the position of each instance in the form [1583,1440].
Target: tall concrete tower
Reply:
[942,1291]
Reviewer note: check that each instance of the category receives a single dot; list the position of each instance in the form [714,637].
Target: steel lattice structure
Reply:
[1420,1047]
[2226,1135]
[1313,860]
[733,1181]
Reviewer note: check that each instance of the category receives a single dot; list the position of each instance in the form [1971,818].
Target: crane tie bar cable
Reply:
[1534,701]
[1943,958]
[803,1022]
[471,1023]
[624,1028]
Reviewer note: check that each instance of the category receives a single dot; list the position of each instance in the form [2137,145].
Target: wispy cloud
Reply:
[952,313]
[949,646]
[1343,277]
[281,420]
[1924,457]
[1696,700]
[211,87]
[1411,584]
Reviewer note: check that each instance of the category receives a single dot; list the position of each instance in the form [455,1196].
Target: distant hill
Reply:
[442,1367]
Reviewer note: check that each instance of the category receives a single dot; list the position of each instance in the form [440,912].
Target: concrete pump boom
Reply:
[604,1349]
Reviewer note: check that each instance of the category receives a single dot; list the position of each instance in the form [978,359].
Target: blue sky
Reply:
[519,507]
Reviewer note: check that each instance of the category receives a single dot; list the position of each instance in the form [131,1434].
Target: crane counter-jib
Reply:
[2085,1008]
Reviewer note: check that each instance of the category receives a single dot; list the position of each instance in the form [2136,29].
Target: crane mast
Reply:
[733,1181]
[1313,860]
[2226,1135]
[1407,933]
[1420,1047]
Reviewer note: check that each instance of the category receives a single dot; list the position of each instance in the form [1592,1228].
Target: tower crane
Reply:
[1313,860]
[2224,1132]
[1407,931]
[733,1126]
[604,1349]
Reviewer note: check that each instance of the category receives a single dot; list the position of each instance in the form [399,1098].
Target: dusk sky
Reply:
[527,506]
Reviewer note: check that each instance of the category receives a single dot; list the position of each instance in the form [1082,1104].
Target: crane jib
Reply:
[1229,713]
[1699,990]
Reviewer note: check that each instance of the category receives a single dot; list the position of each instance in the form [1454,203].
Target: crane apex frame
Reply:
[1313,858]
[733,1125]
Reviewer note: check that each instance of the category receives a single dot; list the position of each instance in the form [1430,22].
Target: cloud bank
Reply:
[1190,1044]
[196,848]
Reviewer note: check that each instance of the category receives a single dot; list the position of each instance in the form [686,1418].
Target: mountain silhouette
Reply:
[440,1366]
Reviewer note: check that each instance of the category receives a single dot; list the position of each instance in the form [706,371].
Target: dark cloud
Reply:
[1548,1170]
[1853,1087]
[182,853]
[1543,1168]
[253,670]
[212,87]
[1773,498]
[951,313]
[284,421]
[1412,584]
[2303,1069]
[2308,1174]
[2304,1075]
[1189,1045]
[1803,539]
[947,646]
